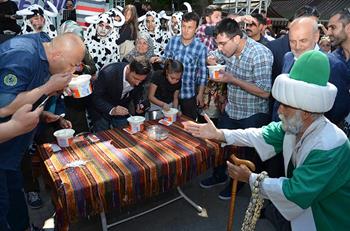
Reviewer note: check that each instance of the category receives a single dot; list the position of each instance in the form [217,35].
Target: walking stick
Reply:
[238,162]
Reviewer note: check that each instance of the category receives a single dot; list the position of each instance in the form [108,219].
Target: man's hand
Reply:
[24,120]
[211,60]
[119,111]
[57,82]
[206,131]
[224,77]
[241,173]
[245,18]
[49,117]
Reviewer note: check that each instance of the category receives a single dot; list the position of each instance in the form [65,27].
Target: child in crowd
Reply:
[165,86]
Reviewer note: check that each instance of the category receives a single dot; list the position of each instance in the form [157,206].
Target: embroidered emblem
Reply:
[10,80]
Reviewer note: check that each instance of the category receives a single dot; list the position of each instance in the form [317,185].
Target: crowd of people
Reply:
[141,61]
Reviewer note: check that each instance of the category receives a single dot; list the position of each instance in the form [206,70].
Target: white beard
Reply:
[292,125]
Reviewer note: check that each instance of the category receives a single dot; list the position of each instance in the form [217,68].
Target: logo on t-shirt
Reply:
[10,80]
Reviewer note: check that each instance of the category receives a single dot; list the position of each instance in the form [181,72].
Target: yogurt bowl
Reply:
[64,137]
[171,114]
[80,86]
[136,123]
[214,71]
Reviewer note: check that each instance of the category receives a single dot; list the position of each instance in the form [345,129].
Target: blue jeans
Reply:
[225,122]
[13,208]
[103,124]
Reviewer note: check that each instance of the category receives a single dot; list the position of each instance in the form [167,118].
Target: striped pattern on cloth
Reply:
[86,8]
[122,169]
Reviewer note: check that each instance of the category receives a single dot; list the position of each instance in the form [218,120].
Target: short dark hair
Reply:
[344,16]
[191,16]
[307,11]
[228,26]
[171,66]
[209,10]
[140,66]
[261,19]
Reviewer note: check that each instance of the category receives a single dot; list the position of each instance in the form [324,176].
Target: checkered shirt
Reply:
[193,57]
[208,41]
[254,66]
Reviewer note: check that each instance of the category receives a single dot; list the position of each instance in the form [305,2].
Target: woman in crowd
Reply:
[69,13]
[150,24]
[128,32]
[144,47]
[165,86]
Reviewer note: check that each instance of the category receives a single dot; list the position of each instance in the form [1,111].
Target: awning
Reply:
[287,8]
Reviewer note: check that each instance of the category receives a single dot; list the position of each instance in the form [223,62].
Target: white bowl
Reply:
[64,137]
[80,86]
[171,114]
[214,71]
[136,123]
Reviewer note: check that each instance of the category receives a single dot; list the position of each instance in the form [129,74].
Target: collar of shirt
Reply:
[247,45]
[44,38]
[126,85]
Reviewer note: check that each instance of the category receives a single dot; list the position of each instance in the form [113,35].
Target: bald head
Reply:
[65,52]
[303,35]
[69,42]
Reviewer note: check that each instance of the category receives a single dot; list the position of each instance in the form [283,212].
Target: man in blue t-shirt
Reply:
[340,37]
[26,64]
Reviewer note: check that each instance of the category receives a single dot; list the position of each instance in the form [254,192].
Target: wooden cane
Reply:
[233,159]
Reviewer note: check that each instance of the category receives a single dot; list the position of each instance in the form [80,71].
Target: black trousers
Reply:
[189,107]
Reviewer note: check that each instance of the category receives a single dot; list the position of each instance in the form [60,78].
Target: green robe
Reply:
[317,195]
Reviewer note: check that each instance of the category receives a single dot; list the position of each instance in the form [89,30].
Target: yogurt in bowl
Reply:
[64,137]
[80,86]
[171,114]
[214,71]
[136,123]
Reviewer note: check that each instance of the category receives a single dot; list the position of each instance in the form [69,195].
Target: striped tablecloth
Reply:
[122,169]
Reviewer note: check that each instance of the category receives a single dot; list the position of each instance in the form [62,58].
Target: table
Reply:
[121,169]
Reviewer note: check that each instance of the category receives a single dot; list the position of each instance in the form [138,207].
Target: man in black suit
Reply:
[116,86]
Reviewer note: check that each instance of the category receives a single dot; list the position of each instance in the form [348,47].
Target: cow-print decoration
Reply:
[178,16]
[49,28]
[160,38]
[103,50]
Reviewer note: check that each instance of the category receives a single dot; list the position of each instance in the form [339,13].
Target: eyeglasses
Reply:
[224,43]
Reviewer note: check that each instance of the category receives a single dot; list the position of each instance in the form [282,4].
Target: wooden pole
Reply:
[233,159]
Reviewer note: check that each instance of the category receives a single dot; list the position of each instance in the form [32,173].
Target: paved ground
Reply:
[179,216]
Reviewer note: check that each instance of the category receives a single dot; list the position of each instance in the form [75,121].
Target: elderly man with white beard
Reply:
[314,193]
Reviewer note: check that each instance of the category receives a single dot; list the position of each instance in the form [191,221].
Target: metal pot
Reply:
[154,115]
